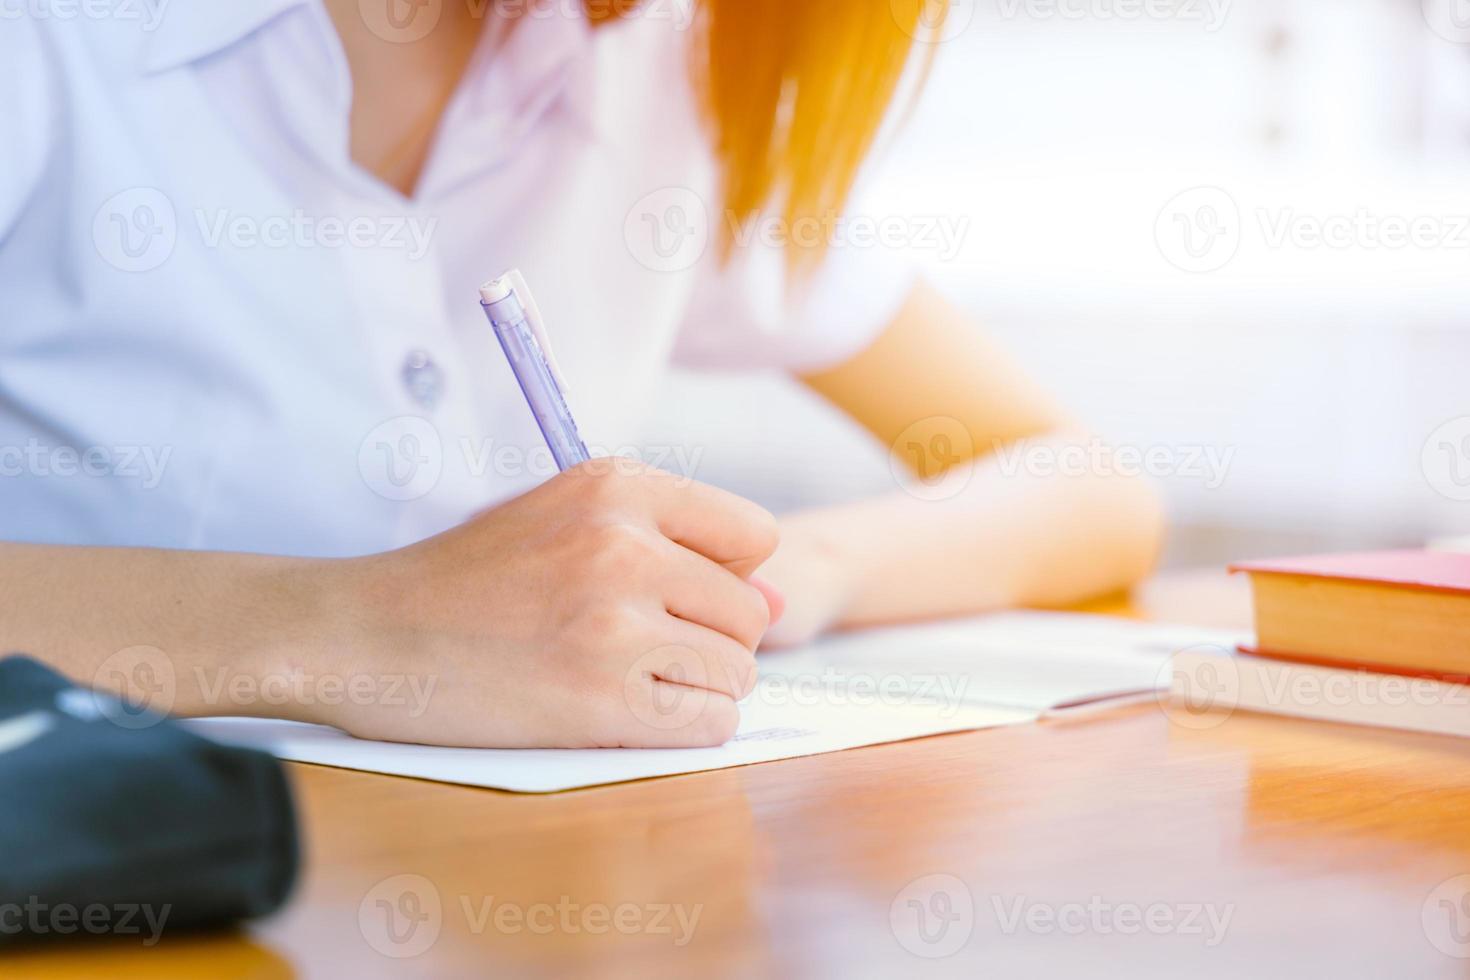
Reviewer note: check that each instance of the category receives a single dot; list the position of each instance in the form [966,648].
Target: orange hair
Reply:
[796,92]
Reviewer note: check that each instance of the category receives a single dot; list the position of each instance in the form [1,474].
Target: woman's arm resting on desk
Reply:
[563,618]
[1013,535]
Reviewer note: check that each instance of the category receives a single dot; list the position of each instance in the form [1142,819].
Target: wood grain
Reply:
[1319,847]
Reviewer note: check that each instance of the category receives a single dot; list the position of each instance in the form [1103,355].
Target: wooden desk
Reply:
[1322,845]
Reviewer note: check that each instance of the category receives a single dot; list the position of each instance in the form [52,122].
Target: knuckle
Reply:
[717,724]
[620,549]
[605,625]
[758,613]
[744,674]
[765,532]
[601,486]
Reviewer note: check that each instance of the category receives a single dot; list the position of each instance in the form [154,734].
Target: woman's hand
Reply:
[611,607]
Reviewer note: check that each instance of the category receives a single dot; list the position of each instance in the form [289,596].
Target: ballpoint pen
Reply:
[518,326]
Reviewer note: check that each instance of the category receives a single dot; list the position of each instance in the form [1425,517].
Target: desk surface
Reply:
[1120,842]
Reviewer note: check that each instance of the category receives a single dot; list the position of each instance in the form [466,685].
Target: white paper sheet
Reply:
[845,692]
[769,730]
[1022,659]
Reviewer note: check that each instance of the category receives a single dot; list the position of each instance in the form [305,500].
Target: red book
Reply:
[1402,612]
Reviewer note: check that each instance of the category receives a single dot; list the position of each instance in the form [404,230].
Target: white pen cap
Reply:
[496,290]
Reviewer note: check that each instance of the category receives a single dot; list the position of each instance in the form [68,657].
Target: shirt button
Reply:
[423,379]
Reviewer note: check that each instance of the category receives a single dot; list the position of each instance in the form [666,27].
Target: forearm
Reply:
[196,633]
[1012,536]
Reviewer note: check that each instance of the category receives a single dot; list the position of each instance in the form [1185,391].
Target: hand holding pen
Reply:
[611,606]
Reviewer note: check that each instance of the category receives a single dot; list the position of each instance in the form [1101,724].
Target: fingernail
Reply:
[774,599]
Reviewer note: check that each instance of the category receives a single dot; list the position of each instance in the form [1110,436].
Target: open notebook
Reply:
[844,692]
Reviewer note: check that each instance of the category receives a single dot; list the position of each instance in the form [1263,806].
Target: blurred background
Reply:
[1238,227]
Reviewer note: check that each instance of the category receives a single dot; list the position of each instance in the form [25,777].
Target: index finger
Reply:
[720,525]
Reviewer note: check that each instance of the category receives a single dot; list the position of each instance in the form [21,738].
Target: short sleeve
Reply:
[26,124]
[747,314]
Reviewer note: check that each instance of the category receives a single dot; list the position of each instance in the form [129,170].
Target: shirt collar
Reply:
[195,29]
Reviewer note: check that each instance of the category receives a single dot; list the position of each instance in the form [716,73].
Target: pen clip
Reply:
[538,327]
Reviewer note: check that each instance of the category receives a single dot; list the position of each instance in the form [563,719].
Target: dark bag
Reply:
[119,823]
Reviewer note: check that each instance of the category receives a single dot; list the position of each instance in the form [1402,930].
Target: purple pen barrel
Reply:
[511,323]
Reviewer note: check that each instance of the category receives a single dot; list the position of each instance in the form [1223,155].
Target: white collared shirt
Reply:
[219,332]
